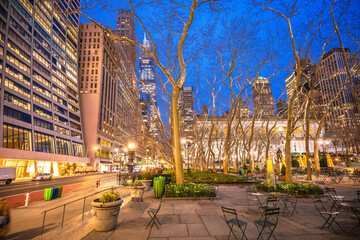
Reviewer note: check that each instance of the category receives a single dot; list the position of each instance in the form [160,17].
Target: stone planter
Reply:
[106,214]
[137,193]
[147,184]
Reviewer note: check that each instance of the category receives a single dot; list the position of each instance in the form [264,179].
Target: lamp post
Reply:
[131,148]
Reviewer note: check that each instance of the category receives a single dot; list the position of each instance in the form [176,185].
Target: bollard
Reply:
[27,198]
[97,183]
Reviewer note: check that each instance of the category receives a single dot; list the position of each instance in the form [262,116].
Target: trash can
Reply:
[159,186]
[59,192]
[48,192]
[55,192]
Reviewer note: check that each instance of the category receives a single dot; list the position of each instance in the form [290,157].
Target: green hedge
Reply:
[302,188]
[210,177]
[188,190]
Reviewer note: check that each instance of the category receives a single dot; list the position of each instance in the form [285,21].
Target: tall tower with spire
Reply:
[147,84]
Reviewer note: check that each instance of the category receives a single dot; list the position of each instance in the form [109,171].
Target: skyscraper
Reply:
[147,84]
[186,107]
[109,102]
[343,117]
[263,100]
[125,27]
[40,119]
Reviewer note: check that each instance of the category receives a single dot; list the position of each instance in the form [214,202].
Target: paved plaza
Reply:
[203,219]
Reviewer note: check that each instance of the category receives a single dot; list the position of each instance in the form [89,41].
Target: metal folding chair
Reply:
[153,215]
[231,219]
[291,202]
[328,216]
[334,199]
[268,220]
[269,200]
[356,216]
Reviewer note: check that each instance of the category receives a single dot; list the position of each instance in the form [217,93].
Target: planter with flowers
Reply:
[106,211]
[137,191]
[146,180]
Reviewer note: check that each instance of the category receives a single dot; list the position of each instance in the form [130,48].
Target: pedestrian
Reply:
[240,171]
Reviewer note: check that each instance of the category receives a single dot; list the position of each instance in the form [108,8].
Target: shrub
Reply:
[257,169]
[188,190]
[137,183]
[283,170]
[110,196]
[245,167]
[295,163]
[301,188]
[209,177]
[249,171]
[147,175]
[323,162]
[168,172]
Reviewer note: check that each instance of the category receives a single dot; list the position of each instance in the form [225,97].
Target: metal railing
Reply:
[65,204]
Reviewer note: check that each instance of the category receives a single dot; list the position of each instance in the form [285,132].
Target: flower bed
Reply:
[301,188]
[210,177]
[188,190]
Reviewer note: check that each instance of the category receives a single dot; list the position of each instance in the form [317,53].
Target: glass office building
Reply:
[39,108]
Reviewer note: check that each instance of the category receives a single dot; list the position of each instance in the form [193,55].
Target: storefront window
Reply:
[16,137]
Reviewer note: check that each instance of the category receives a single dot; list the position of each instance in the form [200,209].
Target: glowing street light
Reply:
[132,146]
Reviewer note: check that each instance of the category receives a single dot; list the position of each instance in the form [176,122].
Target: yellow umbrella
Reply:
[329,161]
[304,161]
[301,164]
[270,171]
[283,161]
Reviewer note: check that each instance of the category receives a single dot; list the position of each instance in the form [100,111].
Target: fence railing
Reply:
[64,207]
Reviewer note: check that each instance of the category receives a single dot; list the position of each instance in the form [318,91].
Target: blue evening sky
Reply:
[233,16]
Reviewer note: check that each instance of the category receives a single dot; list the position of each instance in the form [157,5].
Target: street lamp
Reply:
[131,148]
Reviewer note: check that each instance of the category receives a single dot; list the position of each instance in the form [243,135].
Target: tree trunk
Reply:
[176,137]
[316,156]
[307,141]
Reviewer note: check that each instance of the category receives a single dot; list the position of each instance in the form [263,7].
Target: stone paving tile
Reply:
[193,238]
[158,238]
[169,219]
[170,230]
[185,211]
[197,230]
[189,218]
[94,235]
[206,211]
[187,205]
[215,225]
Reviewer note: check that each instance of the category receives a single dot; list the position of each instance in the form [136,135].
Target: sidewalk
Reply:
[26,222]
[202,220]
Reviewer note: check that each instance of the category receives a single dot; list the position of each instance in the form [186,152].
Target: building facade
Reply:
[40,119]
[263,100]
[343,118]
[281,108]
[109,101]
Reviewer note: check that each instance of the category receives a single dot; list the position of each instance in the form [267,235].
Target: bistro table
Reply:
[257,195]
[350,204]
[284,198]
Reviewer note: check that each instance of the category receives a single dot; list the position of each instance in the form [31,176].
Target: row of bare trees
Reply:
[237,48]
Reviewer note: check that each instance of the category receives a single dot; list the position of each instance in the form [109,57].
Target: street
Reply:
[23,187]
